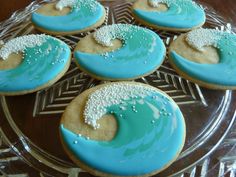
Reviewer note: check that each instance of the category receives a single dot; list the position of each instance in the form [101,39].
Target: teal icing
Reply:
[142,52]
[40,65]
[181,14]
[85,14]
[221,73]
[151,132]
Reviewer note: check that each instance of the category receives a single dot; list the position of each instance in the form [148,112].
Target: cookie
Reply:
[65,17]
[171,15]
[32,62]
[120,52]
[109,129]
[206,57]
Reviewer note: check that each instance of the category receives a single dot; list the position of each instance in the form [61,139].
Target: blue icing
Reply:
[142,52]
[151,145]
[219,74]
[40,65]
[84,15]
[180,14]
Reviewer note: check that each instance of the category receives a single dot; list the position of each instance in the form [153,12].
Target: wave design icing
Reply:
[142,52]
[221,73]
[181,14]
[150,133]
[40,64]
[81,16]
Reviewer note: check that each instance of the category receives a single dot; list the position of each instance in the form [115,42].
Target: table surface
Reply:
[226,7]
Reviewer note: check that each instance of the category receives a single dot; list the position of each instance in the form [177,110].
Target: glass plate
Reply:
[29,137]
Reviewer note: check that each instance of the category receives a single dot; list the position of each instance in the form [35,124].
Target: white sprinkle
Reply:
[122,108]
[200,38]
[114,94]
[75,142]
[222,28]
[79,135]
[19,44]
[168,41]
[229,28]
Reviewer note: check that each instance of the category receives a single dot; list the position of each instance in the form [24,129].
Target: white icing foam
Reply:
[65,3]
[156,3]
[203,37]
[90,4]
[19,44]
[110,95]
[106,34]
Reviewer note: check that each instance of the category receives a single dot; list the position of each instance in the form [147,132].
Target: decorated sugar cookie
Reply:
[207,57]
[123,129]
[172,15]
[69,16]
[120,52]
[32,62]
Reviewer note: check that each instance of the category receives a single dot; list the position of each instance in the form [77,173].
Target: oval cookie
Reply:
[207,57]
[171,15]
[120,52]
[111,128]
[30,63]
[69,16]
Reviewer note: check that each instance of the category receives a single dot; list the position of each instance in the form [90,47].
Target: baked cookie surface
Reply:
[172,15]
[32,62]
[69,16]
[120,52]
[207,57]
[109,129]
